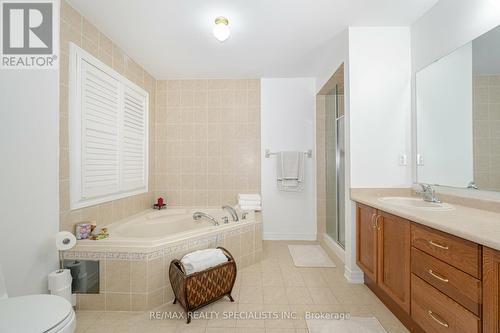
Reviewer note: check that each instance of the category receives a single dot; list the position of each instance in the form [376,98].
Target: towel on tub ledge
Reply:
[202,259]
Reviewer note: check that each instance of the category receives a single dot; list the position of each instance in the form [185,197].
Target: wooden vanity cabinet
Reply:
[431,280]
[491,291]
[393,258]
[383,244]
[366,254]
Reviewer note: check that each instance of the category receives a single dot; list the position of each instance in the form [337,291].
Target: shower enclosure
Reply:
[335,164]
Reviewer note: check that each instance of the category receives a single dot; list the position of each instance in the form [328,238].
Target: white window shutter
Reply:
[109,120]
[100,132]
[134,140]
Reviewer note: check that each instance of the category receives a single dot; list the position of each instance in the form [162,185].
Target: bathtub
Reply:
[135,259]
[154,228]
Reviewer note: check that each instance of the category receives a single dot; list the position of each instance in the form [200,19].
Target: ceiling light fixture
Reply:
[221,30]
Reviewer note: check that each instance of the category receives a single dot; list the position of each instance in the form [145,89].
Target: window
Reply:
[108,133]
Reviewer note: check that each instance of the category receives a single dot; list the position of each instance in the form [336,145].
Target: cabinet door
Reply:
[394,248]
[366,256]
[491,290]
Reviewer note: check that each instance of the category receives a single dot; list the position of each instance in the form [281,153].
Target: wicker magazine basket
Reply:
[198,289]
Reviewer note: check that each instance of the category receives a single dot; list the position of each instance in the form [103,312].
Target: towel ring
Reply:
[268,153]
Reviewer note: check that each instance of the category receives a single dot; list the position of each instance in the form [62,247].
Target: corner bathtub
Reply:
[134,260]
[156,228]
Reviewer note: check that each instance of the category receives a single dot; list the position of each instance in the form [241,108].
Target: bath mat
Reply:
[310,256]
[351,325]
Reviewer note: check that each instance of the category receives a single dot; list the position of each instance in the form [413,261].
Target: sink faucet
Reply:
[233,213]
[428,193]
[199,215]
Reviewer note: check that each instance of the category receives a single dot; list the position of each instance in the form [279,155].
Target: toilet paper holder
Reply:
[65,240]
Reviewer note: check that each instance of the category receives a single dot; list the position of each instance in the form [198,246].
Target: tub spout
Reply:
[232,211]
[199,215]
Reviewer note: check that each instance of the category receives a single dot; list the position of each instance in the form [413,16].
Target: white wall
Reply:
[329,57]
[380,106]
[444,120]
[29,173]
[288,123]
[377,110]
[449,25]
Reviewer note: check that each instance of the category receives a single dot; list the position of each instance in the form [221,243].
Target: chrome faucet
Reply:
[472,186]
[233,213]
[428,193]
[199,215]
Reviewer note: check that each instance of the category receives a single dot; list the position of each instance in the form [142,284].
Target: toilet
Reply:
[35,313]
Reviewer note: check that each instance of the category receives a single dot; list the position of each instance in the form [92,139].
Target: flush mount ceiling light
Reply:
[221,30]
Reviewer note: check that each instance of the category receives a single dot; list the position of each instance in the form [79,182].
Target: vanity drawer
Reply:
[435,312]
[455,251]
[456,284]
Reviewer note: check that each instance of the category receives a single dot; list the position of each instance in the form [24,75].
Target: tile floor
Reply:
[273,285]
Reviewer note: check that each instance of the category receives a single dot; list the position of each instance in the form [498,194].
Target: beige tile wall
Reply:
[487,132]
[76,29]
[208,141]
[321,163]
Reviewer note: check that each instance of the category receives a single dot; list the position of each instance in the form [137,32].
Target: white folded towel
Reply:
[251,207]
[290,171]
[249,197]
[249,203]
[202,259]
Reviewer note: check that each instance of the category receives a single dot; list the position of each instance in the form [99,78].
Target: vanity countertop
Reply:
[477,225]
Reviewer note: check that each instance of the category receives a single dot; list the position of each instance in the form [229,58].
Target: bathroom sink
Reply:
[417,203]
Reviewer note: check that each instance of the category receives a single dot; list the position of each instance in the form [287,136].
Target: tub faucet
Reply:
[199,215]
[233,213]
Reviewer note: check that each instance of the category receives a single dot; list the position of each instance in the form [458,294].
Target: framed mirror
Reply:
[458,117]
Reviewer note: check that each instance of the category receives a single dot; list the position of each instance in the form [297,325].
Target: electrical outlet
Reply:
[420,160]
[403,160]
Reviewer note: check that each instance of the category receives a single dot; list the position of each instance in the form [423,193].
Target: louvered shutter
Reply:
[108,133]
[100,132]
[134,140]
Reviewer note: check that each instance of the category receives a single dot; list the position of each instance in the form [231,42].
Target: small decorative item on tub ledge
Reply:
[160,203]
[84,230]
[201,288]
[101,235]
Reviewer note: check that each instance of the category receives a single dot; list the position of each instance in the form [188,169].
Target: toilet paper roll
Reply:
[65,240]
[60,279]
[64,293]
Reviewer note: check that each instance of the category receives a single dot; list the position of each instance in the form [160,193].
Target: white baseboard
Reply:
[354,276]
[289,236]
[334,247]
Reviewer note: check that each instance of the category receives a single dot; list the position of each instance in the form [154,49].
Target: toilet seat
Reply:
[36,314]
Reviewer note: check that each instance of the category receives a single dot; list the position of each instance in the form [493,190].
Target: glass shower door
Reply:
[340,181]
[331,165]
[335,166]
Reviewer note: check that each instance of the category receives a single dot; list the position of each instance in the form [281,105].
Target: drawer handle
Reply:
[437,276]
[437,320]
[444,247]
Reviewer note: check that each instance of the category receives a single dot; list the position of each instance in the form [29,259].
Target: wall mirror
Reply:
[458,117]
